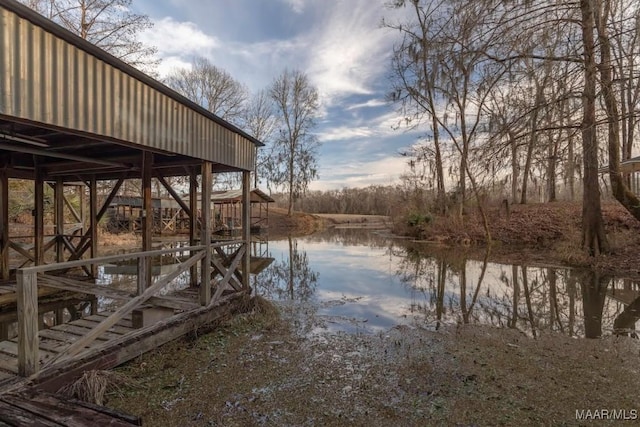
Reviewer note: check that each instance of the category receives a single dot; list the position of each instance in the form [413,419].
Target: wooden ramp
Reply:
[116,345]
[37,408]
[54,340]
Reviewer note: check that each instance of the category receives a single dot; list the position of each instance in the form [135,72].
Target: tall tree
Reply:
[601,10]
[108,24]
[294,156]
[212,87]
[594,239]
[260,122]
[451,40]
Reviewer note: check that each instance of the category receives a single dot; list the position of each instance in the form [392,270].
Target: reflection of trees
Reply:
[351,237]
[428,275]
[452,287]
[526,298]
[467,311]
[625,323]
[594,293]
[290,278]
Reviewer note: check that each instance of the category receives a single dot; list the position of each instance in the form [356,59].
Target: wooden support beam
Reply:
[93,226]
[246,228]
[228,275]
[4,224]
[72,209]
[175,195]
[147,211]
[59,218]
[22,251]
[143,274]
[205,267]
[27,302]
[193,220]
[83,209]
[85,241]
[38,247]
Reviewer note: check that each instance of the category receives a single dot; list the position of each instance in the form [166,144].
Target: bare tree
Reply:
[260,121]
[293,162]
[212,87]
[108,24]
[601,10]
[443,72]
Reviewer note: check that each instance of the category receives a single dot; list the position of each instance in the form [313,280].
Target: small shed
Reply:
[629,167]
[227,208]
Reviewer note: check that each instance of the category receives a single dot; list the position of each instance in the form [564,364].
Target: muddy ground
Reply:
[256,370]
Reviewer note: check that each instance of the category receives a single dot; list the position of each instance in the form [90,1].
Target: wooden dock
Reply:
[37,359]
[37,408]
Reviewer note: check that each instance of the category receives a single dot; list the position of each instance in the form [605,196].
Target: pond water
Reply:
[359,281]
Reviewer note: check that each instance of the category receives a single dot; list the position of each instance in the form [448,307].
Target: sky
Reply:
[339,44]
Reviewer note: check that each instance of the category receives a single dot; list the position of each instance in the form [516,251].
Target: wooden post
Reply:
[205,269]
[193,221]
[59,214]
[4,224]
[246,228]
[94,305]
[93,222]
[143,271]
[38,251]
[4,331]
[27,301]
[83,211]
[147,210]
[59,316]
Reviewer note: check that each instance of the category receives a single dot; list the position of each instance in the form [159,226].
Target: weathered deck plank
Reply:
[116,329]
[81,331]
[37,408]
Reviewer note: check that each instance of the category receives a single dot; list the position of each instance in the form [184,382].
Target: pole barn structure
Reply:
[73,115]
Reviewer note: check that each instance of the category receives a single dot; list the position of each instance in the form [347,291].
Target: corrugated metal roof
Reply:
[257,195]
[626,166]
[228,196]
[52,77]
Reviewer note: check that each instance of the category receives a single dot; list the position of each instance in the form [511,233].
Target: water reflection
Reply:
[358,281]
[290,277]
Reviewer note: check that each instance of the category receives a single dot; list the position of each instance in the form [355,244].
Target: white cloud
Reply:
[369,104]
[344,133]
[385,171]
[171,63]
[178,40]
[378,127]
[347,49]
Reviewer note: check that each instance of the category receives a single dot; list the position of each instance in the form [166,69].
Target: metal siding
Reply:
[46,79]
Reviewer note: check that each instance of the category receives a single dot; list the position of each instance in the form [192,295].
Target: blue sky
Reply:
[338,43]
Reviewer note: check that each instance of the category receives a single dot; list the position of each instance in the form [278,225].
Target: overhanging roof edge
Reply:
[37,19]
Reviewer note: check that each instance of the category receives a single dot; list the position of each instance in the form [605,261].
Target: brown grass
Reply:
[94,385]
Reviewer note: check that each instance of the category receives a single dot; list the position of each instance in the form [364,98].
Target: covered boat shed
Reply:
[630,169]
[71,114]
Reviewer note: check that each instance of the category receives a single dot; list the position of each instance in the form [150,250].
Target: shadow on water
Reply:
[358,281]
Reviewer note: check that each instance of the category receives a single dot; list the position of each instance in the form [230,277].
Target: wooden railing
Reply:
[27,293]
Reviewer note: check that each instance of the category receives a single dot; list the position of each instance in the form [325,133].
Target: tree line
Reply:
[498,87]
